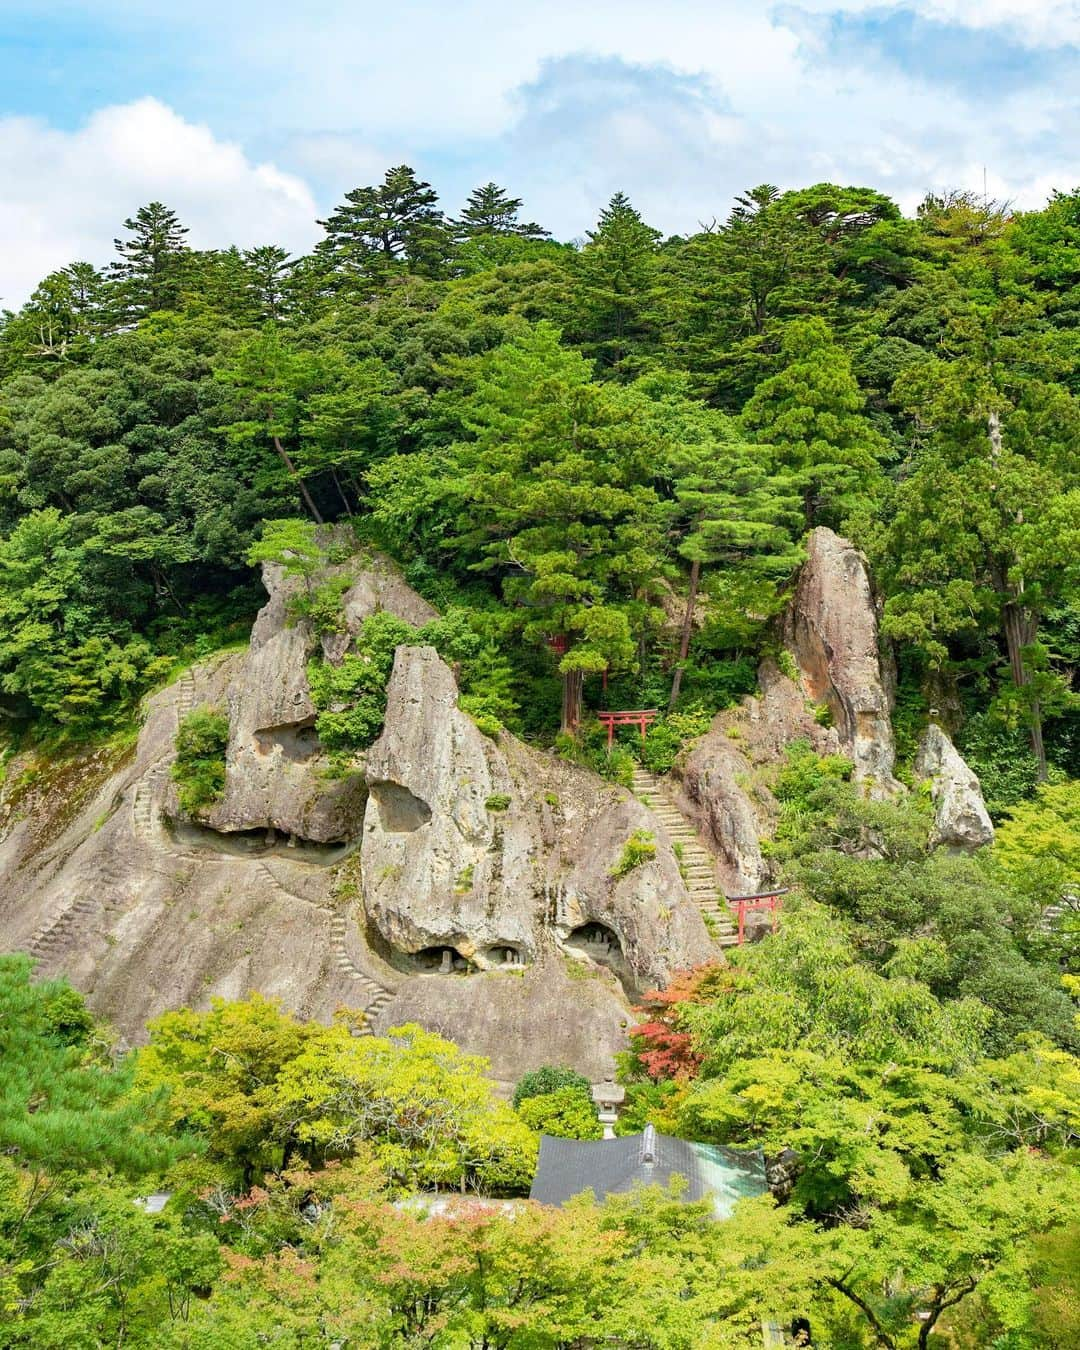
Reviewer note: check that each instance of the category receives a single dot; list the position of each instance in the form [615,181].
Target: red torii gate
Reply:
[772,901]
[640,717]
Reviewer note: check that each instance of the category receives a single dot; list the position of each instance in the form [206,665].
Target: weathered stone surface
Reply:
[831,629]
[481,847]
[144,911]
[961,819]
[719,788]
[275,768]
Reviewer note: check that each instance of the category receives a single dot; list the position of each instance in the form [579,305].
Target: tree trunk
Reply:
[573,682]
[162,580]
[1021,627]
[299,481]
[341,493]
[687,629]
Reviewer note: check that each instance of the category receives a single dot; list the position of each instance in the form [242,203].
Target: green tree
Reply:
[556,499]
[270,382]
[813,415]
[984,526]
[379,229]
[615,279]
[491,210]
[733,507]
[566,1113]
[151,270]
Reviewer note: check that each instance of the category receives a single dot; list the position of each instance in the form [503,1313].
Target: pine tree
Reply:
[616,270]
[556,497]
[489,210]
[733,507]
[151,273]
[268,269]
[378,229]
[812,412]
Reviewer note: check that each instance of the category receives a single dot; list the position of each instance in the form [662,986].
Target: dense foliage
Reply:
[599,463]
[605,456]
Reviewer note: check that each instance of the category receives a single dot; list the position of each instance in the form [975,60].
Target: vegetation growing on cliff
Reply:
[608,454]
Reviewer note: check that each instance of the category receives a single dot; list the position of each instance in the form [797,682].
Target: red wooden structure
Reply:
[640,717]
[773,901]
[559,644]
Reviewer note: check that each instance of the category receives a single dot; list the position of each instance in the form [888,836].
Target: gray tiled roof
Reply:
[607,1166]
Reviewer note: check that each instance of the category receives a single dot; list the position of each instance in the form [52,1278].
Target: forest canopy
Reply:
[564,441]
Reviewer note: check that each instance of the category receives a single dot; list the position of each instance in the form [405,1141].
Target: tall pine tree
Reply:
[616,276]
[151,270]
[491,210]
[396,225]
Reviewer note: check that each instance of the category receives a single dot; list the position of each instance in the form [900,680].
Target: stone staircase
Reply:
[374,996]
[696,862]
[185,695]
[58,934]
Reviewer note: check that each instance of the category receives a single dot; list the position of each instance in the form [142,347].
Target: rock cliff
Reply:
[831,628]
[961,819]
[489,854]
[830,632]
[468,887]
[275,776]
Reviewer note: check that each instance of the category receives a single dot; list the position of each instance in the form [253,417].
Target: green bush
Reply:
[498,801]
[199,768]
[321,606]
[669,734]
[1002,758]
[565,1114]
[547,1079]
[1044,831]
[638,849]
[351,697]
[589,750]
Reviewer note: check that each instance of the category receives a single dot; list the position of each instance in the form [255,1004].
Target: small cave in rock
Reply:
[297,741]
[400,811]
[504,955]
[441,961]
[596,940]
[260,843]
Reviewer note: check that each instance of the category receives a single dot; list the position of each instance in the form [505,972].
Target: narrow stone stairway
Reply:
[374,997]
[696,862]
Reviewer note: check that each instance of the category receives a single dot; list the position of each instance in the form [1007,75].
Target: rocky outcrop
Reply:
[961,819]
[831,628]
[492,852]
[275,776]
[483,854]
[720,787]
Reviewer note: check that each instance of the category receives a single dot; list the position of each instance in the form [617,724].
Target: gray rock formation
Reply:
[275,774]
[487,854]
[718,783]
[961,819]
[102,880]
[831,628]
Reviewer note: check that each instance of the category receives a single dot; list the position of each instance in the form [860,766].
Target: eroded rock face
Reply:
[831,629]
[275,767]
[485,848]
[961,819]
[719,788]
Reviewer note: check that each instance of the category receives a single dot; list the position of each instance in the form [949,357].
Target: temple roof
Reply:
[609,1166]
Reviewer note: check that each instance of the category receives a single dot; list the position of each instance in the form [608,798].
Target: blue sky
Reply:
[251,119]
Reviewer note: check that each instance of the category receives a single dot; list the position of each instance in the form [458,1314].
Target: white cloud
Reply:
[1034,22]
[66,194]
